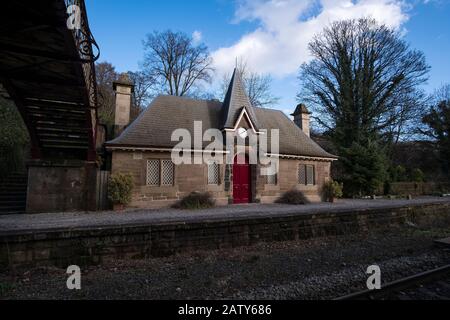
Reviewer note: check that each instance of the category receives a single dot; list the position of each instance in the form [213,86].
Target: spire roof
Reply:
[236,99]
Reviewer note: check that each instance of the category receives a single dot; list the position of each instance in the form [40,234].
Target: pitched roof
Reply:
[154,127]
[293,141]
[235,100]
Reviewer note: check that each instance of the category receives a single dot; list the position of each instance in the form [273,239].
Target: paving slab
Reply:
[80,220]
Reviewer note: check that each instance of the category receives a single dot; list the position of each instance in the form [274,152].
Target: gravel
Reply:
[321,268]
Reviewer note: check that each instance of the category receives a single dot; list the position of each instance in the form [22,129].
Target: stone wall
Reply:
[101,245]
[189,178]
[62,186]
[288,180]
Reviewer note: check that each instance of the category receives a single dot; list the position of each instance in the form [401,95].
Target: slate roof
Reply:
[154,127]
[293,141]
[235,100]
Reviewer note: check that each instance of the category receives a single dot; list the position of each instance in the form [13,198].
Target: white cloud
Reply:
[197,36]
[279,45]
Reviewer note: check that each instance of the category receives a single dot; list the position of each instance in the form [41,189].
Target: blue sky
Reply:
[271,35]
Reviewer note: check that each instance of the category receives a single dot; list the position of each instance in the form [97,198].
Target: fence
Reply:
[419,188]
[102,190]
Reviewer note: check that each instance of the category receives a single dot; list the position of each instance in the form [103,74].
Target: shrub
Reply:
[195,201]
[417,175]
[120,187]
[332,190]
[292,197]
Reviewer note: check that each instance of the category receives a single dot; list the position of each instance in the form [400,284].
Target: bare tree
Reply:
[257,86]
[175,62]
[106,74]
[404,117]
[440,95]
[143,91]
[363,80]
[436,125]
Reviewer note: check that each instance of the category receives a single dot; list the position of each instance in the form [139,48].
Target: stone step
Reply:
[12,212]
[8,190]
[15,184]
[10,209]
[13,195]
[12,202]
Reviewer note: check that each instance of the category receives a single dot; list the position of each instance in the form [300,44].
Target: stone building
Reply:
[144,149]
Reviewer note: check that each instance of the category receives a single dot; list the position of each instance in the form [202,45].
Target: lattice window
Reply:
[302,174]
[272,179]
[213,173]
[310,175]
[153,172]
[167,173]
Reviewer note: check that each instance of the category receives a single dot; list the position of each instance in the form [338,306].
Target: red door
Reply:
[241,182]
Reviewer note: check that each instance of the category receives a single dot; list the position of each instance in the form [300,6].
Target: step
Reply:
[18,198]
[14,184]
[13,188]
[12,212]
[13,179]
[12,193]
[12,202]
[13,209]
[12,197]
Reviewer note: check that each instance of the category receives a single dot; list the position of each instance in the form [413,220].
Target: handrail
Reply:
[85,42]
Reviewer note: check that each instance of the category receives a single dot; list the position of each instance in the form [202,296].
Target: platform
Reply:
[16,224]
[93,238]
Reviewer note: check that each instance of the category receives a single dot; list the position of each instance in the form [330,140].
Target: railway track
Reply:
[429,285]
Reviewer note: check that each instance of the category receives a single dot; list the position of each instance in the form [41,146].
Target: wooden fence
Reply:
[419,188]
[102,190]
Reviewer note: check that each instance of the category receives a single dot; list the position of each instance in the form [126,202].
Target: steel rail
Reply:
[398,285]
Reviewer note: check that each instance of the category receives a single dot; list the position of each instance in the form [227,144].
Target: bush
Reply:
[195,201]
[120,187]
[292,197]
[332,190]
[417,175]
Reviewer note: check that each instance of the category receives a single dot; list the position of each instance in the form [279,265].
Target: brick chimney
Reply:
[123,89]
[302,117]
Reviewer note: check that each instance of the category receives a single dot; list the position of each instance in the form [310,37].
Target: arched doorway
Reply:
[241,181]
